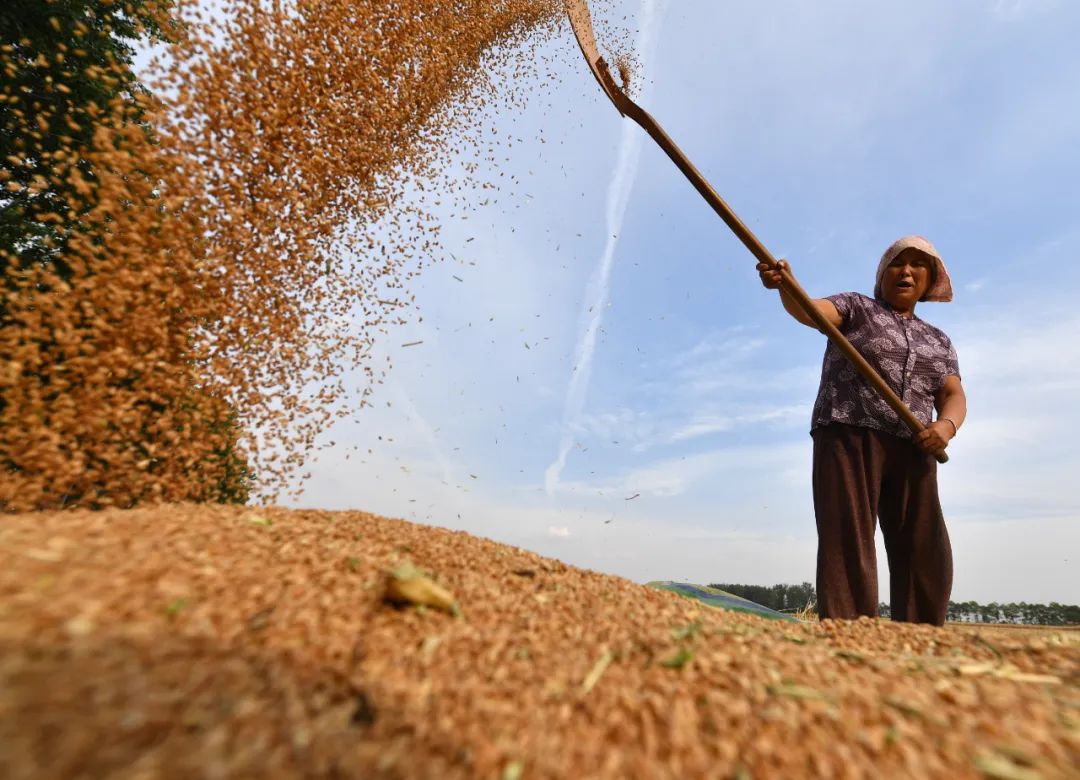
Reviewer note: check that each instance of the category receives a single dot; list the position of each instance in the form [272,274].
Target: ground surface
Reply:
[190,641]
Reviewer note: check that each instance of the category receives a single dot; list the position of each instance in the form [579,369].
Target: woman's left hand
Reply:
[935,437]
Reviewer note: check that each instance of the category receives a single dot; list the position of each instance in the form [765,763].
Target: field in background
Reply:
[1007,629]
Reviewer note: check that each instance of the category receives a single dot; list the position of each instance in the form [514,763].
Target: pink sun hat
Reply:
[941,288]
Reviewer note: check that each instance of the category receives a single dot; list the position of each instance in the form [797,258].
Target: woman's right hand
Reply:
[770,274]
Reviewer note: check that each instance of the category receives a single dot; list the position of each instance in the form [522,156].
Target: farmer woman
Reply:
[867,464]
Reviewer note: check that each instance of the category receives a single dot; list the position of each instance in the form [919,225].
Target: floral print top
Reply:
[912,356]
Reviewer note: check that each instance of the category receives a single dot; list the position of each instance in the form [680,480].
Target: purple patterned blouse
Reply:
[912,356]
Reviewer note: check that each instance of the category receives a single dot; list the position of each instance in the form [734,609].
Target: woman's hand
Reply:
[935,437]
[770,276]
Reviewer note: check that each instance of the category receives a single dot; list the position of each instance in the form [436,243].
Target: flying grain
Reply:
[245,234]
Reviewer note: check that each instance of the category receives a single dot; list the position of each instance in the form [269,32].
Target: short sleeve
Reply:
[844,303]
[947,364]
[952,362]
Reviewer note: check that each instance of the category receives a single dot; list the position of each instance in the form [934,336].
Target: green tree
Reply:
[67,75]
[1052,614]
[778,597]
[1071,614]
[65,61]
[1042,614]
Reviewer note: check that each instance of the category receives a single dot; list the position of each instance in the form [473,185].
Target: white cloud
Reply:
[714,386]
[561,532]
[705,424]
[674,476]
[1014,10]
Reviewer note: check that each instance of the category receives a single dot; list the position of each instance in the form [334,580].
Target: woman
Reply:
[867,464]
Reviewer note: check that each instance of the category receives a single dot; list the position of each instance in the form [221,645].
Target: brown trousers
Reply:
[860,473]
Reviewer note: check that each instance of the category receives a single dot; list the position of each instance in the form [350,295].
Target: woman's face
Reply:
[906,279]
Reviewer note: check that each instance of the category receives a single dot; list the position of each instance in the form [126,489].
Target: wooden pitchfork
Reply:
[581,22]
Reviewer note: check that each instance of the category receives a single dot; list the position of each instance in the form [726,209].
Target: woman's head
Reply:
[911,270]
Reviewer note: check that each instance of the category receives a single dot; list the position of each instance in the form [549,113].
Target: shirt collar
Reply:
[885,305]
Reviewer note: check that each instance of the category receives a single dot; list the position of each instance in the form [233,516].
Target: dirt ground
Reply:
[203,641]
[1014,630]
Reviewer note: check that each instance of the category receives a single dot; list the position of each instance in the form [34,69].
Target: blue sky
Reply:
[832,128]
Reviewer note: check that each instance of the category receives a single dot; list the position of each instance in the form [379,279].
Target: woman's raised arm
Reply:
[770,277]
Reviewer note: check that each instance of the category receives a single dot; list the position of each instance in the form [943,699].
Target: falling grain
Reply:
[238,239]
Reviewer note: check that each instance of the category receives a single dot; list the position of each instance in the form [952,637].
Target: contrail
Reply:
[423,427]
[618,195]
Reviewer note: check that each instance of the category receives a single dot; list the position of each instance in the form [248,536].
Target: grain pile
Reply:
[217,641]
[190,314]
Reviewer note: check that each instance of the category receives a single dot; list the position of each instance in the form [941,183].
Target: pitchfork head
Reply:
[581,22]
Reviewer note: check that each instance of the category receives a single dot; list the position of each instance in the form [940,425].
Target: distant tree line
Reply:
[1052,614]
[789,598]
[779,597]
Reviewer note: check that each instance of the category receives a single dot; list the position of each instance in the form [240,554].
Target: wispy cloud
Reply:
[622,182]
[1015,457]
[673,476]
[705,424]
[1012,10]
[663,424]
[715,386]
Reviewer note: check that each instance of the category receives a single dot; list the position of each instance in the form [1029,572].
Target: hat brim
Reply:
[940,290]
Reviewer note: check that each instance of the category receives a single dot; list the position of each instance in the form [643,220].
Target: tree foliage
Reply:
[65,61]
[1022,613]
[794,597]
[68,91]
[779,597]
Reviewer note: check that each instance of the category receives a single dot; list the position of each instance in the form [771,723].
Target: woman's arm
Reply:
[771,280]
[951,405]
[951,402]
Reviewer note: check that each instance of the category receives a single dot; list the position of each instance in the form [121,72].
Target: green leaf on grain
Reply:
[176,606]
[677,660]
[796,691]
[688,631]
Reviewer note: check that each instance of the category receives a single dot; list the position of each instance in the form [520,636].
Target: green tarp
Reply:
[715,597]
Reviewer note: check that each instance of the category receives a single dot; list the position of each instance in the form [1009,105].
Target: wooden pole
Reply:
[579,20]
